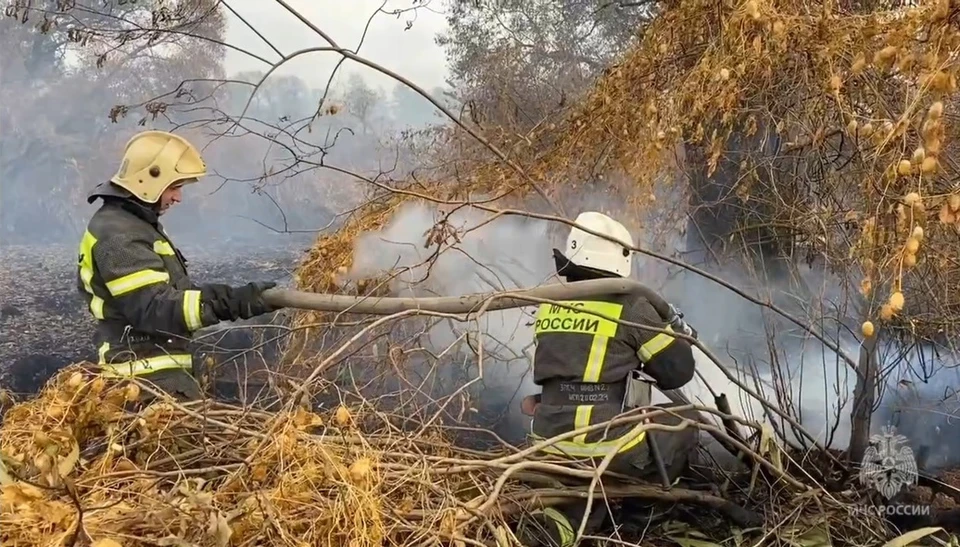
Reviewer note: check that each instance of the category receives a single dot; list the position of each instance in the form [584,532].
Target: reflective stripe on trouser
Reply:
[140,367]
[565,529]
[581,319]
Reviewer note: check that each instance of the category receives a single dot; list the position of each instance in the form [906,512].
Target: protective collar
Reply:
[111,193]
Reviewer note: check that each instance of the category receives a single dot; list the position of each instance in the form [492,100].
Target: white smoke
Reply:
[506,254]
[514,252]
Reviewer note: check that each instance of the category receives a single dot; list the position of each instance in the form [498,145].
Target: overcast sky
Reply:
[411,53]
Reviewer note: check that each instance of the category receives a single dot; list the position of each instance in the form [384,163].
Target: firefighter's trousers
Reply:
[557,527]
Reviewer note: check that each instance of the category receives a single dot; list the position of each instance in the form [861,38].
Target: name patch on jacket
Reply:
[579,318]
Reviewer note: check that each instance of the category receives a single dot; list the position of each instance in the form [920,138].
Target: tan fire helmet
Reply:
[154,160]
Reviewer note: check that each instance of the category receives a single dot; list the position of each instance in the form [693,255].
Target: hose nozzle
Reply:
[677,323]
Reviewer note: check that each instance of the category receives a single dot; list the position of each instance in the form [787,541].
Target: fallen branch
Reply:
[545,497]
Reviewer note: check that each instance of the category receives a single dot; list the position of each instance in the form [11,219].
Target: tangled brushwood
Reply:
[831,122]
[79,469]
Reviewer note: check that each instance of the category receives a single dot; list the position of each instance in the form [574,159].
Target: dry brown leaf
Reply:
[219,529]
[67,463]
[19,493]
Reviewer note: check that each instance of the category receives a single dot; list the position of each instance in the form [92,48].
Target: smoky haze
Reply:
[511,252]
[265,190]
[259,184]
[264,201]
[67,112]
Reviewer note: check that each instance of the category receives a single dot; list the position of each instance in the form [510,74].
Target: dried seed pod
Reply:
[75,380]
[930,128]
[918,155]
[906,62]
[41,439]
[912,246]
[912,199]
[917,233]
[954,202]
[947,216]
[867,329]
[886,312]
[131,393]
[904,168]
[936,110]
[896,301]
[942,82]
[909,260]
[56,411]
[932,146]
[724,74]
[852,127]
[887,55]
[361,470]
[859,64]
[342,416]
[866,130]
[929,166]
[835,83]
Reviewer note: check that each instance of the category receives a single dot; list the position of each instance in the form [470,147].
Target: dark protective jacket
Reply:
[575,347]
[136,285]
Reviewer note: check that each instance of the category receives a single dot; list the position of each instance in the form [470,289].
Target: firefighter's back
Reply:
[583,359]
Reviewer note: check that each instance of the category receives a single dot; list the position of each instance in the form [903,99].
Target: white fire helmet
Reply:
[589,251]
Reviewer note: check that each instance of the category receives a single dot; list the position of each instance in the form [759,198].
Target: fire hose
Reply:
[478,303]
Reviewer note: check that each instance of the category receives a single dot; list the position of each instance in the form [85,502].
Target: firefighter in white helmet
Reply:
[135,281]
[590,369]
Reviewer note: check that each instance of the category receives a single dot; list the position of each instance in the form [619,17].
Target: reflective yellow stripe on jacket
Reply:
[191,310]
[163,248]
[555,318]
[86,273]
[655,345]
[142,367]
[552,318]
[136,280]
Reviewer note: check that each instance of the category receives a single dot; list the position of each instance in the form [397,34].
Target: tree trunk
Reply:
[864,398]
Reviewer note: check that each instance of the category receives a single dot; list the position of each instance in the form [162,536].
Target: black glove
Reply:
[232,303]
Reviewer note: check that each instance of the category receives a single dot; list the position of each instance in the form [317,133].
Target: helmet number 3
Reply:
[573,244]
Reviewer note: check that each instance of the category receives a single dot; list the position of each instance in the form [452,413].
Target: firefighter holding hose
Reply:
[135,281]
[592,368]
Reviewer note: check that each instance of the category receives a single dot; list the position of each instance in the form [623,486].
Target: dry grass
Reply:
[215,475]
[203,474]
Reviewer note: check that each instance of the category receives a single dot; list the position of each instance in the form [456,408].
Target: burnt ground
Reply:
[44,324]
